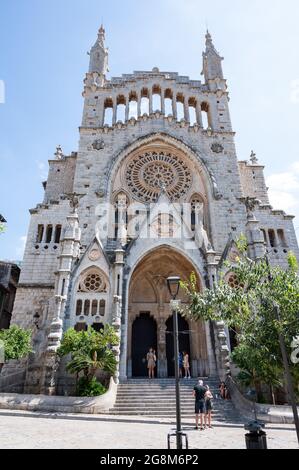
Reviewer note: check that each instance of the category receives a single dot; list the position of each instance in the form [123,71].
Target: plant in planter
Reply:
[90,352]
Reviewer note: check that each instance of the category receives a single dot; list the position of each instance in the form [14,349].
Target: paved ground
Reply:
[21,430]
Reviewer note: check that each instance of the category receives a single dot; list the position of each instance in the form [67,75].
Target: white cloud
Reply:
[21,247]
[42,170]
[284,191]
[284,181]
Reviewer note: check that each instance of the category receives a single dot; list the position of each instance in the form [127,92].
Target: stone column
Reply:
[122,215]
[127,109]
[138,106]
[198,114]
[174,107]
[161,348]
[186,110]
[162,103]
[116,323]
[70,249]
[122,324]
[150,97]
[114,118]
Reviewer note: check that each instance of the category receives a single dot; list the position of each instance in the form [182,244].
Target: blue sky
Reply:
[43,61]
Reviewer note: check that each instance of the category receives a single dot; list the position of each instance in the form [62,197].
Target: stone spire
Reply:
[212,61]
[99,55]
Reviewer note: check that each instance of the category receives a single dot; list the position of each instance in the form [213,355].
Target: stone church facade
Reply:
[155,189]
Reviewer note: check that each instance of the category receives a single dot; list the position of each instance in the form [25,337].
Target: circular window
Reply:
[92,283]
[150,172]
[234,283]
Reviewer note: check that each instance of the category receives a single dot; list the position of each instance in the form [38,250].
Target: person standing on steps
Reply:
[208,406]
[181,364]
[151,363]
[186,365]
[199,394]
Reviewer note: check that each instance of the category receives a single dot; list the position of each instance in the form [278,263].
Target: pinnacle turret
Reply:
[99,55]
[212,61]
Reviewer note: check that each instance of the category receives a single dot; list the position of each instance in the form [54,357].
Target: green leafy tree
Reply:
[248,307]
[90,351]
[16,342]
[2,227]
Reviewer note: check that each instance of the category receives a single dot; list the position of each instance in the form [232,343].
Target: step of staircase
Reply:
[156,398]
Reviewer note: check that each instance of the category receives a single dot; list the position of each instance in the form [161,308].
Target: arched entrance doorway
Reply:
[149,301]
[184,341]
[144,337]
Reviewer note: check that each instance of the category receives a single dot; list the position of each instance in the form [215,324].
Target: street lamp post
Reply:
[288,376]
[173,284]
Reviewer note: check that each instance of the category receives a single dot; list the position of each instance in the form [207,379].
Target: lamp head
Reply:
[173,284]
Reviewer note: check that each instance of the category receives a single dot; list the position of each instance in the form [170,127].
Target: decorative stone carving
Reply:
[94,255]
[59,153]
[217,148]
[147,172]
[74,199]
[250,203]
[98,145]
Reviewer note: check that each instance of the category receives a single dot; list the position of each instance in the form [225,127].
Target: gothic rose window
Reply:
[149,173]
[92,282]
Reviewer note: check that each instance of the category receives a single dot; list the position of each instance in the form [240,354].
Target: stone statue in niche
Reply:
[201,235]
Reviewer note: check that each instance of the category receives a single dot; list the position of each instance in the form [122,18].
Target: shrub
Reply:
[90,388]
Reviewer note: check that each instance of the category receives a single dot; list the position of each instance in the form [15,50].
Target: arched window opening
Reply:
[168,102]
[79,308]
[121,109]
[98,327]
[192,111]
[86,307]
[81,327]
[272,238]
[49,233]
[94,308]
[108,112]
[145,108]
[180,107]
[281,238]
[205,113]
[57,234]
[133,105]
[157,99]
[102,308]
[40,234]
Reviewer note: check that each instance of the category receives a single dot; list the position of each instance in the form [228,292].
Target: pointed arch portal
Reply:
[150,316]
[144,337]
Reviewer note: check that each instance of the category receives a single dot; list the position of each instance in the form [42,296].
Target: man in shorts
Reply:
[199,394]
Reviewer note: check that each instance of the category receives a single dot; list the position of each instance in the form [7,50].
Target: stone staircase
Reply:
[156,398]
